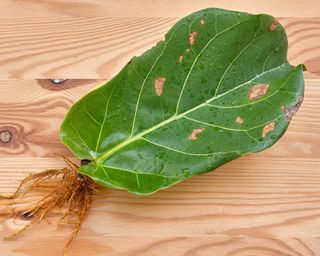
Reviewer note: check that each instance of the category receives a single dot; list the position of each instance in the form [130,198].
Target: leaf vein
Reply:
[235,58]
[104,119]
[141,173]
[83,141]
[187,153]
[196,59]
[174,117]
[257,101]
[90,116]
[144,81]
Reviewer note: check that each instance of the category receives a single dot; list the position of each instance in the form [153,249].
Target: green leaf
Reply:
[219,86]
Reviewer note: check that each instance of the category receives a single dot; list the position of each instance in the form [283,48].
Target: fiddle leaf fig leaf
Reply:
[219,86]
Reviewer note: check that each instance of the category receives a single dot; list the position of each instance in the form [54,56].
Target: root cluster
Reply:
[65,189]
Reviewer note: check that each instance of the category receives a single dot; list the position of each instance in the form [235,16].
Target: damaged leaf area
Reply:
[158,85]
[192,37]
[239,120]
[258,91]
[219,86]
[273,25]
[268,128]
[292,110]
[194,133]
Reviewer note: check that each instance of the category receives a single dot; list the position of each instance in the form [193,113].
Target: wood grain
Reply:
[33,111]
[143,8]
[84,39]
[264,204]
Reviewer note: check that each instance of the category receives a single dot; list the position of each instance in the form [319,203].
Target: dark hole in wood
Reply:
[26,215]
[58,81]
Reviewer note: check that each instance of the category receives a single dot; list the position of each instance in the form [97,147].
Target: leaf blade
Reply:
[184,107]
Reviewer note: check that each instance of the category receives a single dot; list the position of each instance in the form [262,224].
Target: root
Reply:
[66,189]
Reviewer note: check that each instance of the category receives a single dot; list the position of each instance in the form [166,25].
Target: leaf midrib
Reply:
[138,136]
[178,116]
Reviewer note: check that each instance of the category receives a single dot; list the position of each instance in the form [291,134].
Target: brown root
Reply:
[66,189]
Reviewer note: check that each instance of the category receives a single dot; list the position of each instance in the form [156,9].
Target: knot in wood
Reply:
[5,136]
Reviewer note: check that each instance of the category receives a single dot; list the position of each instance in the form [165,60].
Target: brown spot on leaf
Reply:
[158,85]
[202,22]
[192,37]
[273,25]
[180,58]
[194,133]
[257,91]
[291,111]
[239,120]
[187,50]
[268,128]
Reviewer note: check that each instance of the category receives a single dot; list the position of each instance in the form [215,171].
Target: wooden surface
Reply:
[94,39]
[263,204]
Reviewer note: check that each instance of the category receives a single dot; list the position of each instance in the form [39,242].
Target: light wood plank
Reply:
[257,205]
[99,46]
[147,8]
